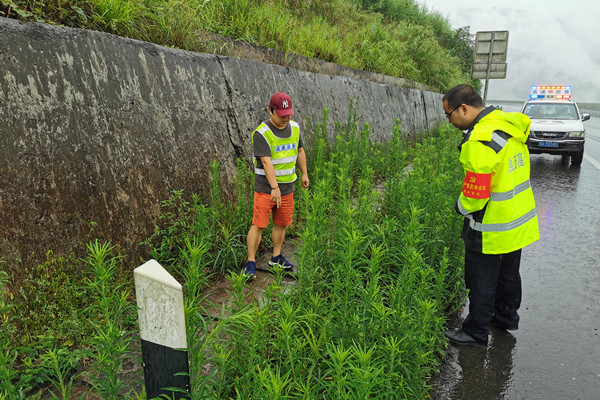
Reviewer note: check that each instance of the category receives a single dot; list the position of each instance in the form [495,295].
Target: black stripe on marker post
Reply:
[161,364]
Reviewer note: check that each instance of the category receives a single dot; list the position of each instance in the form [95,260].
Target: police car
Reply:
[556,122]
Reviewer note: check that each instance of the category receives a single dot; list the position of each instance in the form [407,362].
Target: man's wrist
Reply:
[275,188]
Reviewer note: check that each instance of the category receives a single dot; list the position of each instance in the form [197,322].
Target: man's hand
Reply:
[305,181]
[276,196]
[270,174]
[301,164]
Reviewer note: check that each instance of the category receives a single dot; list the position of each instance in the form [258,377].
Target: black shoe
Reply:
[497,324]
[459,337]
[281,262]
[250,270]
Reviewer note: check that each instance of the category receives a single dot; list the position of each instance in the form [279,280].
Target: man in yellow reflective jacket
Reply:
[499,209]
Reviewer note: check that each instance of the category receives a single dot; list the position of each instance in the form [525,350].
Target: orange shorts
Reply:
[263,206]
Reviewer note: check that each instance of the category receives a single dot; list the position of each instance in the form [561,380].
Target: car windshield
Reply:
[551,111]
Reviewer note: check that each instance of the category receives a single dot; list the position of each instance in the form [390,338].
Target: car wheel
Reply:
[577,158]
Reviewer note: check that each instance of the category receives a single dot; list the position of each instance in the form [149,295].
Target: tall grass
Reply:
[11,381]
[379,258]
[85,315]
[393,37]
[112,315]
[375,283]
[222,225]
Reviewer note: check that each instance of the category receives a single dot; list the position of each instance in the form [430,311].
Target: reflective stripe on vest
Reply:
[284,160]
[499,140]
[502,196]
[481,227]
[278,172]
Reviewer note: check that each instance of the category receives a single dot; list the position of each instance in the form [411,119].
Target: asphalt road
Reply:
[592,141]
[555,354]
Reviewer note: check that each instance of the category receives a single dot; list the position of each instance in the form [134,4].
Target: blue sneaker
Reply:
[281,262]
[250,270]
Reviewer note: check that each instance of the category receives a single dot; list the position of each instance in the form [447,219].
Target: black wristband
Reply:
[276,187]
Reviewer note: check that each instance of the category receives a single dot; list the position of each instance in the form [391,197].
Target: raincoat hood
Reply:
[515,124]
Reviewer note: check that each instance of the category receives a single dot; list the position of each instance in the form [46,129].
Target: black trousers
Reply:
[494,285]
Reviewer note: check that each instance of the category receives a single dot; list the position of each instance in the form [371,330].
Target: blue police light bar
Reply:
[551,92]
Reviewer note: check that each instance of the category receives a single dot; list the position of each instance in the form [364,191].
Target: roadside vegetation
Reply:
[399,38]
[380,270]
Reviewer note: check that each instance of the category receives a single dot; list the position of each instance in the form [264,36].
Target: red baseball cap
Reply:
[282,104]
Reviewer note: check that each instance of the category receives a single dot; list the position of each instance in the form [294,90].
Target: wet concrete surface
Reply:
[555,354]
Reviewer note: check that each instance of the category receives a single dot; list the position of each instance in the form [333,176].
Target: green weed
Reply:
[222,225]
[379,271]
[49,301]
[112,316]
[11,387]
[60,364]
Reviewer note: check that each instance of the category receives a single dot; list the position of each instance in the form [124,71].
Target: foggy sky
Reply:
[550,42]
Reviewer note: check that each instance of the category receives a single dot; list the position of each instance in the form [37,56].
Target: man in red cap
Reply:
[278,151]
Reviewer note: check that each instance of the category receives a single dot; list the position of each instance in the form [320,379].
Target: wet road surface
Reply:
[555,354]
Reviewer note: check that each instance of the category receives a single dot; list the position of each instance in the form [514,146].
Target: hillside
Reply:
[399,38]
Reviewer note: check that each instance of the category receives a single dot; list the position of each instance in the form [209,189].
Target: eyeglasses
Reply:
[448,115]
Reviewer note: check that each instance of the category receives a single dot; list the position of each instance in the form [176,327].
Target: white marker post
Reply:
[162,330]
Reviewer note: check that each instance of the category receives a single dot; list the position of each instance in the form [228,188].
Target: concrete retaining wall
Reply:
[100,128]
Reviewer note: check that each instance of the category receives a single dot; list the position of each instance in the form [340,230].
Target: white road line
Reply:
[592,161]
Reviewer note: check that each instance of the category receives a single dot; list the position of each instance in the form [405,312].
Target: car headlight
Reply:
[579,134]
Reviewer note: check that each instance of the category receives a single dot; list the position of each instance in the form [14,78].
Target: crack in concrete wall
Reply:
[101,128]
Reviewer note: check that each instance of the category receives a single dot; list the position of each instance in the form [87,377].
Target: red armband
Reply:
[477,186]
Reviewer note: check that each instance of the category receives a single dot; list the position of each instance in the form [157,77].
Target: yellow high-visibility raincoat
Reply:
[496,199]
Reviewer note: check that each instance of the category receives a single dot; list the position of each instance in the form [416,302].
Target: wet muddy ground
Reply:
[219,293]
[555,354]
